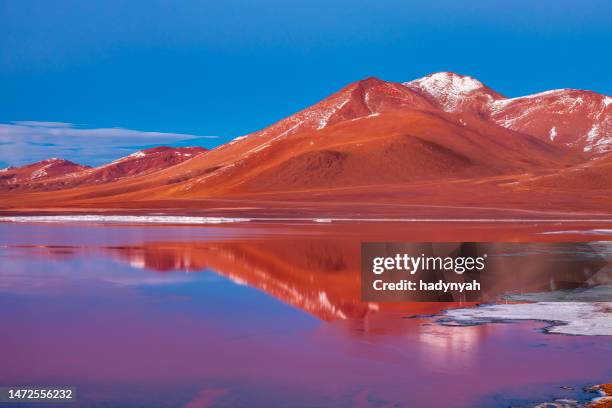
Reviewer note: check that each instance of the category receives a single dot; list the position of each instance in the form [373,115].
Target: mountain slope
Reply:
[395,147]
[592,175]
[581,120]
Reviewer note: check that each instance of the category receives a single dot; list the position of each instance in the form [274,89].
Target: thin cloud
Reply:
[35,123]
[29,141]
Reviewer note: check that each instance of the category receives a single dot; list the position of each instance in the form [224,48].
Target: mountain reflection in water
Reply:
[322,276]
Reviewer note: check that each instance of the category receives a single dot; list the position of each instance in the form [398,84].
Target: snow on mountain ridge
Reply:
[447,88]
[445,80]
[139,153]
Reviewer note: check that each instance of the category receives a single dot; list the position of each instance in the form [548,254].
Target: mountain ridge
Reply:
[579,119]
[72,175]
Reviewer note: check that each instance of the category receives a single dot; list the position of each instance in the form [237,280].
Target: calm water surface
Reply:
[178,316]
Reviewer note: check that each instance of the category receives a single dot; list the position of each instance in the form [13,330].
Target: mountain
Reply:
[138,164]
[571,118]
[14,177]
[445,141]
[371,132]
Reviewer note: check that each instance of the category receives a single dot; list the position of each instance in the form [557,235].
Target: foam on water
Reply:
[128,219]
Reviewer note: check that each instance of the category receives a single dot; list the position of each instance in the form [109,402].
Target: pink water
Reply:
[199,316]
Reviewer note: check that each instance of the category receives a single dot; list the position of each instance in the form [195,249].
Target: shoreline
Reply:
[195,219]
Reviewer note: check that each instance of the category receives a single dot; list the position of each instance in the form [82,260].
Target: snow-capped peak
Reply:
[447,81]
[447,87]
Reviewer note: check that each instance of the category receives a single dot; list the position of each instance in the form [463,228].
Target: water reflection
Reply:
[198,317]
[317,276]
[321,275]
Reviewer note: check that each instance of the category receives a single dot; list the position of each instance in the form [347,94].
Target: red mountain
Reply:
[575,119]
[139,163]
[16,177]
[370,133]
[136,164]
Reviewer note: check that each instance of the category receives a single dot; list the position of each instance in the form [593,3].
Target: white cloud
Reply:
[29,141]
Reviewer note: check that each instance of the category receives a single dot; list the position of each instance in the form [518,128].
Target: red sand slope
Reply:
[592,175]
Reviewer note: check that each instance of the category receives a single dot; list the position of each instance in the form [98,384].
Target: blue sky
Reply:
[226,68]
